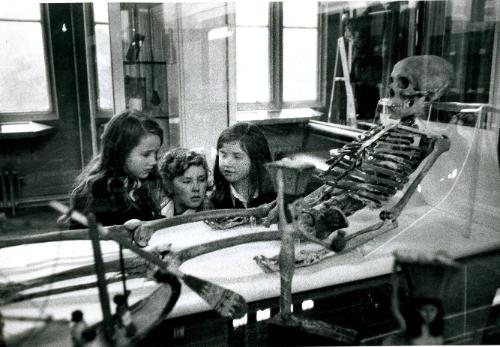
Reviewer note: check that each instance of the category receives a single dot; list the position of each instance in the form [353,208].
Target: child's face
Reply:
[428,312]
[142,158]
[234,162]
[190,188]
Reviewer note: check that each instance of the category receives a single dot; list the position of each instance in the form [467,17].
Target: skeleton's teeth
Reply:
[400,106]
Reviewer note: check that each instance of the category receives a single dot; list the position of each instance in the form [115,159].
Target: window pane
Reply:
[252,13]
[19,10]
[299,64]
[300,14]
[100,12]
[24,85]
[103,59]
[252,70]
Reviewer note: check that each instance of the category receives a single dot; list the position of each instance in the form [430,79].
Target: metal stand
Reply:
[292,179]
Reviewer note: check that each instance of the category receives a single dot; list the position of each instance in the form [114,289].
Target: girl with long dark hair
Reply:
[122,182]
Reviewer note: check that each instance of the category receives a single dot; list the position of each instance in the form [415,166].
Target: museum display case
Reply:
[170,61]
[418,173]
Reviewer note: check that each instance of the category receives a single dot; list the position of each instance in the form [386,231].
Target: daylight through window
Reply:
[25,79]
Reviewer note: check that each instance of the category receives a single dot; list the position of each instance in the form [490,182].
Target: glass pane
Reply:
[252,68]
[300,14]
[100,12]
[24,85]
[19,10]
[468,43]
[103,59]
[300,64]
[381,34]
[252,13]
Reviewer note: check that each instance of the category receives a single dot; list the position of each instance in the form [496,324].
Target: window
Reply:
[300,47]
[103,58]
[277,54]
[25,90]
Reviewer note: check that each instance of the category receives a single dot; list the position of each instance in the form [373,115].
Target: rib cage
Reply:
[367,172]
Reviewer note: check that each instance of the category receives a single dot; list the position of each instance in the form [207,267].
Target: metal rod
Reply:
[124,279]
[4,202]
[11,192]
[101,278]
[287,253]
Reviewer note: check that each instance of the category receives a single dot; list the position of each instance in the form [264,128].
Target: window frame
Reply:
[94,74]
[275,35]
[53,112]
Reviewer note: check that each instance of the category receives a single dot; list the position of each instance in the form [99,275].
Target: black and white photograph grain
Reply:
[249,173]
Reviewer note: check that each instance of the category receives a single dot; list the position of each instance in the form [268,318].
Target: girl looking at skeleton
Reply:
[122,182]
[240,178]
[185,180]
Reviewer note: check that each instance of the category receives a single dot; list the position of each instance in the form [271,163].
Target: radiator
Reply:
[8,184]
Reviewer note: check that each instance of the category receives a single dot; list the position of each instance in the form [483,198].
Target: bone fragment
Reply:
[195,251]
[143,234]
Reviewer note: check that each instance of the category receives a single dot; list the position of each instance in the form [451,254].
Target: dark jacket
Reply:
[222,199]
[110,205]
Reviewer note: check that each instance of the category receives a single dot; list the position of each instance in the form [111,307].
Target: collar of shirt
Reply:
[235,194]
[168,208]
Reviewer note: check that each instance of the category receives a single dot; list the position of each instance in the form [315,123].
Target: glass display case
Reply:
[168,62]
[426,181]
[147,63]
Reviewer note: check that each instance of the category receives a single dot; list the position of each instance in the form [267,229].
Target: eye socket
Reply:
[403,82]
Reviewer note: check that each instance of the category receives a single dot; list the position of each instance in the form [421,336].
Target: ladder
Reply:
[345,60]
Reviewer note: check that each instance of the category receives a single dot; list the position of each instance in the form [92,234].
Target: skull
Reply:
[416,80]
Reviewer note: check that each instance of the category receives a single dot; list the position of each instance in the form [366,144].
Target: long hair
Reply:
[175,162]
[122,133]
[255,145]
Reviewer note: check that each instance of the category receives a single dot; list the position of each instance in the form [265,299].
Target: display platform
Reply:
[456,209]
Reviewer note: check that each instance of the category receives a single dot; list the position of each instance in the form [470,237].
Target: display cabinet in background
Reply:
[146,63]
[169,61]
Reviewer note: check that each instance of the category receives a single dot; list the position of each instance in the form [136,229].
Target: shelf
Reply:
[145,63]
[23,130]
[296,115]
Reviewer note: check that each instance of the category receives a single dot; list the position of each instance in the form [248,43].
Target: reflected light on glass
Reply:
[453,174]
[263,314]
[496,299]
[240,321]
[307,305]
[219,33]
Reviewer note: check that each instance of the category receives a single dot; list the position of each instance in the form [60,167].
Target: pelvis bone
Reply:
[416,80]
